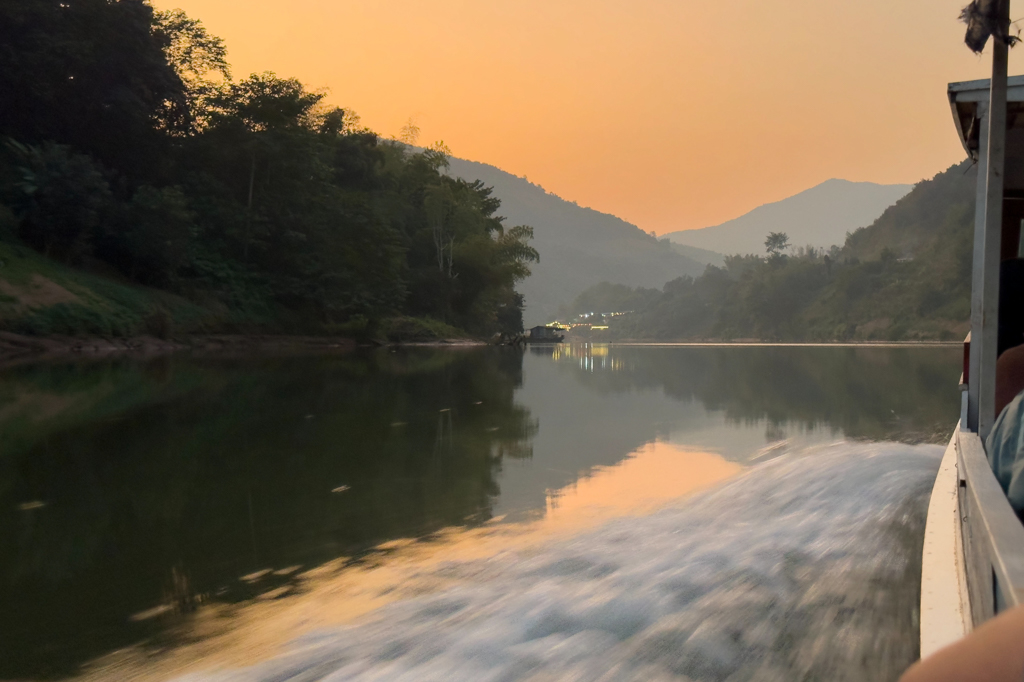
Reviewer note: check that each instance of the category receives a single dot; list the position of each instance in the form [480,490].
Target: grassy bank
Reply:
[40,297]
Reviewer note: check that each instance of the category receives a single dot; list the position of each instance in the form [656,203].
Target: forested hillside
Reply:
[130,153]
[580,247]
[905,277]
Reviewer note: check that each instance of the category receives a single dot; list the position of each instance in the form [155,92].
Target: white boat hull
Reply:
[945,600]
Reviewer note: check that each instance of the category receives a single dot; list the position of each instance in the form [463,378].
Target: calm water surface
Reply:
[470,513]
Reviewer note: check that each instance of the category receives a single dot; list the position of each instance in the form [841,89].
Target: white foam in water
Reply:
[804,568]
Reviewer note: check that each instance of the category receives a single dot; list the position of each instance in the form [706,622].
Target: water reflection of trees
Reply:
[165,482]
[906,393]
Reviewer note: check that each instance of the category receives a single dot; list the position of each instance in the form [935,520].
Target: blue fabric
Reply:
[1005,448]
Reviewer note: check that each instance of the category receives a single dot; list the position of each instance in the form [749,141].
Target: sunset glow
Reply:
[669,114]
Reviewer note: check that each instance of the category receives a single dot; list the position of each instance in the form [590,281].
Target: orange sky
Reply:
[671,114]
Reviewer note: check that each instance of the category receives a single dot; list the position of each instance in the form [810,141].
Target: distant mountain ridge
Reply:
[820,216]
[907,276]
[700,255]
[579,247]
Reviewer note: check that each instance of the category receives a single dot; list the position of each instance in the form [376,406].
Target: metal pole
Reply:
[994,171]
[978,270]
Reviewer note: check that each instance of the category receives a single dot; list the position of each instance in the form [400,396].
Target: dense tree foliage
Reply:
[907,276]
[776,243]
[127,145]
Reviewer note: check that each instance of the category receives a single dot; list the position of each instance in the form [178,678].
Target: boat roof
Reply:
[964,98]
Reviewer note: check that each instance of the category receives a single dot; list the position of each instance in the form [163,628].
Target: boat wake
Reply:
[806,567]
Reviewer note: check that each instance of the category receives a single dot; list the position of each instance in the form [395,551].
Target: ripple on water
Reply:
[806,567]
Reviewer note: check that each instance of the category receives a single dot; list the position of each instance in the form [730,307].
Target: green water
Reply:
[127,484]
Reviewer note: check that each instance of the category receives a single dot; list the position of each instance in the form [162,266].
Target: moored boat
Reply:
[545,334]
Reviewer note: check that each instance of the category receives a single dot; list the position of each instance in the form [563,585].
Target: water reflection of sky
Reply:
[223,636]
[585,420]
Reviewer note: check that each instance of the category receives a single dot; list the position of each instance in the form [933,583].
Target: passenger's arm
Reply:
[992,653]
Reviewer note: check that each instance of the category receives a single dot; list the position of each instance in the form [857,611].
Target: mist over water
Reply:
[470,514]
[806,568]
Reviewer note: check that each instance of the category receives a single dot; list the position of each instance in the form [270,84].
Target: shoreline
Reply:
[19,348]
[22,348]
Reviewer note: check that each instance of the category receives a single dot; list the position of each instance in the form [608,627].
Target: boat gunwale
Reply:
[993,535]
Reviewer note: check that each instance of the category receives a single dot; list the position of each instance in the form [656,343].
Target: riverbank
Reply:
[17,348]
[21,347]
[50,308]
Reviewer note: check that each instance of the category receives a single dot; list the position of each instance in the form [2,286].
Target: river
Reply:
[570,512]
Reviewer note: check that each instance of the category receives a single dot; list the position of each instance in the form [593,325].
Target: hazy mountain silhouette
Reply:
[702,256]
[579,247]
[820,216]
